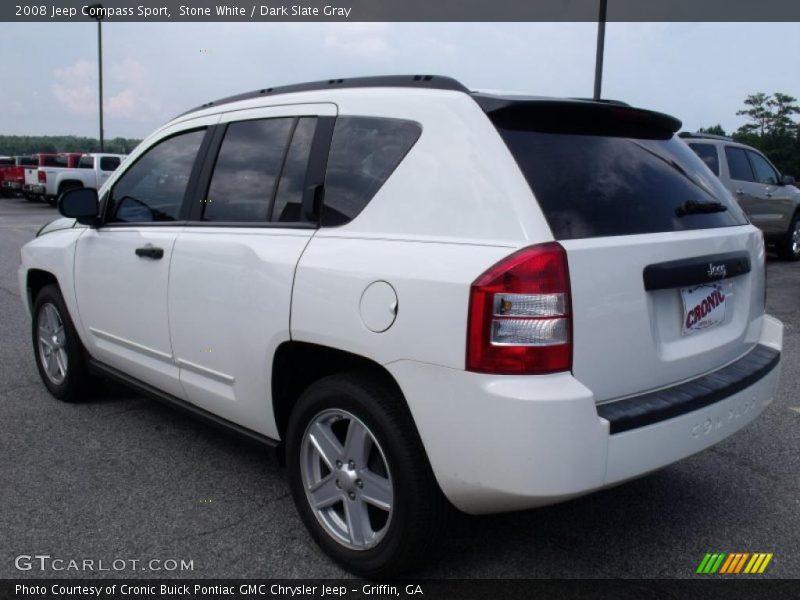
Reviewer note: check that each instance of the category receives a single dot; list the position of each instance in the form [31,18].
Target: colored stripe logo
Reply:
[734,563]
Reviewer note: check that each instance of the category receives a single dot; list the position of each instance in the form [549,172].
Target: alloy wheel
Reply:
[52,343]
[346,478]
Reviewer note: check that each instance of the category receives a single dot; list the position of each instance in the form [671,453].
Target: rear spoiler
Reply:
[582,117]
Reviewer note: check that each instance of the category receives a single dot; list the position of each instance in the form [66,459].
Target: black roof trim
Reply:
[434,82]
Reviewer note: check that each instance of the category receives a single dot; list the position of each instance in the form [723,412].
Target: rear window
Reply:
[86,162]
[599,185]
[708,154]
[364,152]
[6,161]
[53,161]
[109,163]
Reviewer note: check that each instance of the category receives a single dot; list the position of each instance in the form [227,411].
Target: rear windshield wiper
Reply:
[693,207]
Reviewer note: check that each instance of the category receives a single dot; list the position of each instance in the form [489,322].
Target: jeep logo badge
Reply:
[716,271]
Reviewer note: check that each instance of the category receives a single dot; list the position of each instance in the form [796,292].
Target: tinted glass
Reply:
[364,153]
[59,160]
[738,165]
[597,185]
[6,161]
[247,170]
[152,189]
[27,161]
[763,170]
[86,162]
[708,154]
[109,163]
[289,199]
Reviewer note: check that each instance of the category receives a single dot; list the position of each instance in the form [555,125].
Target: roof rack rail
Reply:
[434,82]
[700,136]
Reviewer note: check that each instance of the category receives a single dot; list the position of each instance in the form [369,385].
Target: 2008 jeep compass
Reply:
[425,294]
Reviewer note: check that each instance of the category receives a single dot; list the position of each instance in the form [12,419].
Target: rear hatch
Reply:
[667,275]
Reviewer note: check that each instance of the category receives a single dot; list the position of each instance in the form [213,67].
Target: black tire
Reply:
[789,248]
[76,381]
[419,509]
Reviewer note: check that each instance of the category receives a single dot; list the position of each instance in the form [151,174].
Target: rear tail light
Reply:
[520,314]
[42,177]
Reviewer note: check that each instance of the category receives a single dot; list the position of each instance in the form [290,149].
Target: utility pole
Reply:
[98,16]
[601,42]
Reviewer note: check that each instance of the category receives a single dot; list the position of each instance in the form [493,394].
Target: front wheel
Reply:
[789,249]
[360,477]
[59,353]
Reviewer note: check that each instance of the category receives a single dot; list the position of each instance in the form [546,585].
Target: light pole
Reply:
[97,11]
[601,41]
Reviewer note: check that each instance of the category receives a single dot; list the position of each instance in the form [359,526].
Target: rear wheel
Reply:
[789,249]
[360,477]
[59,353]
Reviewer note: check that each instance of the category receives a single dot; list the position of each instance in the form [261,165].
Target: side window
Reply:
[708,154]
[109,163]
[247,170]
[364,153]
[152,189]
[764,171]
[738,165]
[289,198]
[86,162]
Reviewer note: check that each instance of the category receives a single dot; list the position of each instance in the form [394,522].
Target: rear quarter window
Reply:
[599,185]
[364,153]
[708,154]
[738,165]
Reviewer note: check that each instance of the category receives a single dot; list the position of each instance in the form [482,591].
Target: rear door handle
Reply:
[150,252]
[740,192]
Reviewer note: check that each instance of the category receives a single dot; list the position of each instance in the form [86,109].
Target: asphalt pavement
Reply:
[122,478]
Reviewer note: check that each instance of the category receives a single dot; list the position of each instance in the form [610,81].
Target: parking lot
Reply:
[122,477]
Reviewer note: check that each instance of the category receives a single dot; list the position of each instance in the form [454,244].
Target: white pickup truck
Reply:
[91,171]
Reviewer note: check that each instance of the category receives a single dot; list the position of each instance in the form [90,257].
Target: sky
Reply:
[698,72]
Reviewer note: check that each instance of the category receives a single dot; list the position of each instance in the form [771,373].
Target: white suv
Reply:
[423,295]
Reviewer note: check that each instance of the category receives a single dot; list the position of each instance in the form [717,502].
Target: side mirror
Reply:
[80,204]
[787,180]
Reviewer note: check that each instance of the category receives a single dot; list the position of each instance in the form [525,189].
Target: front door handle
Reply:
[150,252]
[740,192]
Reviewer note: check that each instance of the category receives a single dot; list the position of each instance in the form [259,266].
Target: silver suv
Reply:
[771,200]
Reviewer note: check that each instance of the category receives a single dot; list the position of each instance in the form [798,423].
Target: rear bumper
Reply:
[12,185]
[509,442]
[36,190]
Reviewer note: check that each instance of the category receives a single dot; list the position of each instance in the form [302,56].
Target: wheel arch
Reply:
[69,183]
[35,280]
[297,365]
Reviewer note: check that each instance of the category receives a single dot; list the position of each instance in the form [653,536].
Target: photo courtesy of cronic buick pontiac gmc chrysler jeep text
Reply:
[424,296]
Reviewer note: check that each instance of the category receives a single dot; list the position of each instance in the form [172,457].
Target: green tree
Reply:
[782,108]
[713,130]
[758,111]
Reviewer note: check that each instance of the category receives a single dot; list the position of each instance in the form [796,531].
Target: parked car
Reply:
[35,184]
[423,296]
[54,177]
[12,176]
[90,170]
[770,199]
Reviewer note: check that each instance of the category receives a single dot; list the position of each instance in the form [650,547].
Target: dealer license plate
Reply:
[703,307]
